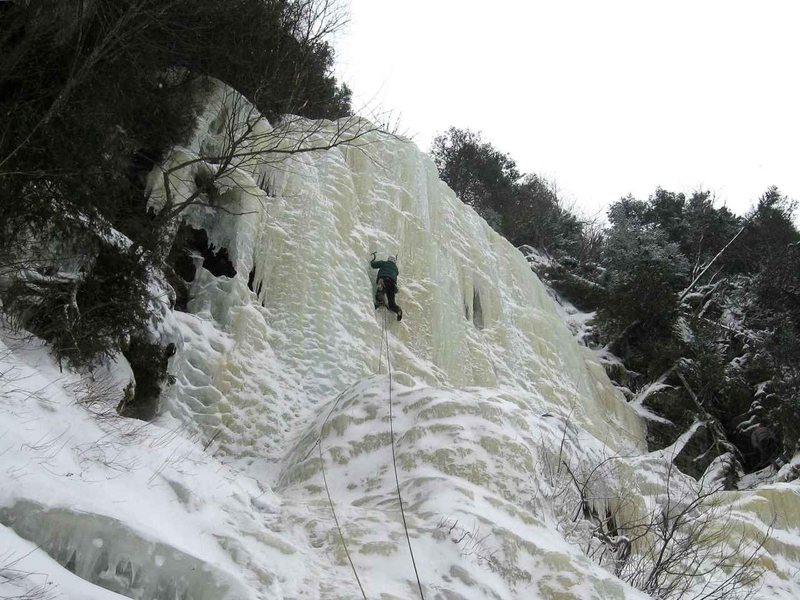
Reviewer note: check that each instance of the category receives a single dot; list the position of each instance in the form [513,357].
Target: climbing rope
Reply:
[318,444]
[380,350]
[394,457]
[336,520]
[328,492]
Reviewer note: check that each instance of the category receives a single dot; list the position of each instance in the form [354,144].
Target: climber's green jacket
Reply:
[385,268]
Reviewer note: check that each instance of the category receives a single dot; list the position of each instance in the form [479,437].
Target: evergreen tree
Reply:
[644,270]
[523,208]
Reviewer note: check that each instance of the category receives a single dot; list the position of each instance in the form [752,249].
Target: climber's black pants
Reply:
[385,294]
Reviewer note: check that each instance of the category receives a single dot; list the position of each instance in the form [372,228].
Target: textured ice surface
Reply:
[224,495]
[312,329]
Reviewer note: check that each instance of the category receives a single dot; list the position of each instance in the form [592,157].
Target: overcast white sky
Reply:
[605,97]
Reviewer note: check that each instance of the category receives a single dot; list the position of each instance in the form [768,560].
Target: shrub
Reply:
[85,314]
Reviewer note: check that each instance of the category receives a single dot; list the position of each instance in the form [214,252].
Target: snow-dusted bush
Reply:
[685,541]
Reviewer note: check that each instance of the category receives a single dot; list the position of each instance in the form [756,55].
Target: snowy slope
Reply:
[224,496]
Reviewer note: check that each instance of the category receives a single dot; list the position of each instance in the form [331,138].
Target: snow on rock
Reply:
[286,386]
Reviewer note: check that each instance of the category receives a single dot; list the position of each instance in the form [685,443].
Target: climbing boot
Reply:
[399,313]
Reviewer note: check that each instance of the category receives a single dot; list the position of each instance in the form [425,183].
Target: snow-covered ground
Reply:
[280,392]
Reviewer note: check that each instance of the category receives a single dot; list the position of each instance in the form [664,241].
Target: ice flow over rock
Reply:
[475,314]
[274,380]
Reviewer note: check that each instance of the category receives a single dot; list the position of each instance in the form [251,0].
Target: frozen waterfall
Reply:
[223,496]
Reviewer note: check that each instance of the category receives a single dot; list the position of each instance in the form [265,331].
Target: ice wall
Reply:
[312,329]
[486,375]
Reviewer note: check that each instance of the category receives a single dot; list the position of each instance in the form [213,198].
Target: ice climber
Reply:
[387,283]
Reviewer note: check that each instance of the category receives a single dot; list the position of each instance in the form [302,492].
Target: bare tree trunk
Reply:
[713,260]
